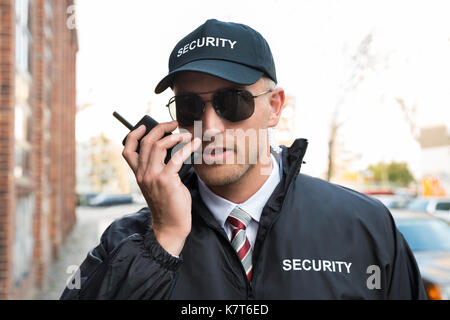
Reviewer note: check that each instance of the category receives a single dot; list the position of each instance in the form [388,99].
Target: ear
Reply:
[276,102]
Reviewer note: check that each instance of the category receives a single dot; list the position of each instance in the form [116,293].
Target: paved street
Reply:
[91,222]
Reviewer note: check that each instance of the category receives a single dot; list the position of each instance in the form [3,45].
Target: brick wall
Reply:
[51,182]
[7,192]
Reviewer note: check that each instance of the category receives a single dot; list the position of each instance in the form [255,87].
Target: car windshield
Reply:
[418,205]
[425,234]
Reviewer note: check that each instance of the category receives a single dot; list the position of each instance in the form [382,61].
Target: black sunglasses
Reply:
[230,104]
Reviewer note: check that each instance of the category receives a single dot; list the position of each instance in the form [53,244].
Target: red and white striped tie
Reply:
[239,220]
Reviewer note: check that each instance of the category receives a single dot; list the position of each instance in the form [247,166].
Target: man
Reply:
[244,224]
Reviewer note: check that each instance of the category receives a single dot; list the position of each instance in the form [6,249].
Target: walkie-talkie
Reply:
[150,123]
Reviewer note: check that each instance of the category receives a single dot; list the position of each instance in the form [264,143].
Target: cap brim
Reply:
[230,71]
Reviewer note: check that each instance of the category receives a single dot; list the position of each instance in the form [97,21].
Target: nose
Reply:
[212,124]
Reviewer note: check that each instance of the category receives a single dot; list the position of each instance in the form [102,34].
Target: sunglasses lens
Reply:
[186,109]
[234,105]
[173,109]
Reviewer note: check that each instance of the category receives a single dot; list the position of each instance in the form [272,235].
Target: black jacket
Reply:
[316,240]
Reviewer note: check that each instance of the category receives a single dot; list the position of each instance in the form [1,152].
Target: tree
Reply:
[362,61]
[410,114]
[396,173]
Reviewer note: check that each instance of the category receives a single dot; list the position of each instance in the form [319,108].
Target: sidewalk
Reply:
[91,222]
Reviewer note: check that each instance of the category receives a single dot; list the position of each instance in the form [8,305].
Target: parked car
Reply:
[439,207]
[83,199]
[392,201]
[429,239]
[103,200]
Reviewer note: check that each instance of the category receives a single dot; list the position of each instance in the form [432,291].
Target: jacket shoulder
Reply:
[339,202]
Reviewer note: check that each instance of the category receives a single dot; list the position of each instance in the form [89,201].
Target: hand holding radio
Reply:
[157,175]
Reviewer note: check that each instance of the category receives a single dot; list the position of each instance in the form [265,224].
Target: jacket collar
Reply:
[292,160]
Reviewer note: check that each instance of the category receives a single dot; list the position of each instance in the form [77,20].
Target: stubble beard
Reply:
[216,175]
[245,160]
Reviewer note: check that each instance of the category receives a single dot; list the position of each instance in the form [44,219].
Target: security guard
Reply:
[244,223]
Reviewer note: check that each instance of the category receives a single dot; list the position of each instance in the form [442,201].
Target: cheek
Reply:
[259,119]
[249,140]
[262,114]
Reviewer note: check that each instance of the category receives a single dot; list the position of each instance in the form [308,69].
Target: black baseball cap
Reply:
[228,50]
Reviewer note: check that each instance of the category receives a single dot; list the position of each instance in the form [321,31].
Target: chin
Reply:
[221,174]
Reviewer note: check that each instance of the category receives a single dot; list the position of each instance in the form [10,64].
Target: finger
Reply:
[159,131]
[131,143]
[160,149]
[147,142]
[133,137]
[176,162]
[171,141]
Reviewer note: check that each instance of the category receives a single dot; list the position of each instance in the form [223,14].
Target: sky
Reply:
[124,47]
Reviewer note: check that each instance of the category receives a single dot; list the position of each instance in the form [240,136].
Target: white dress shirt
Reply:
[221,208]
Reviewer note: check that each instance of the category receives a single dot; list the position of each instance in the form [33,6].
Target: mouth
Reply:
[216,154]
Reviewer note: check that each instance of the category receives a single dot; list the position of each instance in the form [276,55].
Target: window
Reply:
[23,115]
[443,206]
[23,36]
[48,8]
[23,237]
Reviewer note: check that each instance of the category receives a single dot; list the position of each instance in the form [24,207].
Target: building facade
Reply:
[37,140]
[435,160]
[101,167]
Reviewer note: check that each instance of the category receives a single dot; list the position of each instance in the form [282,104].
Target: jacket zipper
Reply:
[235,254]
[221,232]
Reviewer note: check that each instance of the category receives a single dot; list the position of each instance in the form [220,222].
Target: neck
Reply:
[249,183]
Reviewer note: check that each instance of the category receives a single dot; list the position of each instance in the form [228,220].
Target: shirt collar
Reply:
[221,207]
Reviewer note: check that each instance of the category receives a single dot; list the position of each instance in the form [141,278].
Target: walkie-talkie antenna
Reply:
[121,119]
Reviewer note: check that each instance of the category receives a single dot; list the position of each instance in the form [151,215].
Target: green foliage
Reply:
[395,172]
